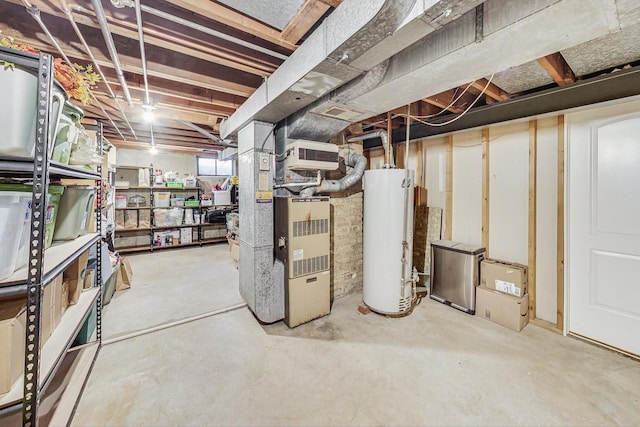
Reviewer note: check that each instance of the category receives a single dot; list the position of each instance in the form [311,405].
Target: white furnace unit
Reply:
[302,244]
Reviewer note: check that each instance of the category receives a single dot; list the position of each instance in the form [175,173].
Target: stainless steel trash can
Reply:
[455,273]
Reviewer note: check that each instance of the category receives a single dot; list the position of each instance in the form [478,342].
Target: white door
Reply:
[604,225]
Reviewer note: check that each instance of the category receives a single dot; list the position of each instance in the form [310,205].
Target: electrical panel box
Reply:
[311,155]
[302,243]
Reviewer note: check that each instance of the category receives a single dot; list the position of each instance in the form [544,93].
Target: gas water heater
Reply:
[388,240]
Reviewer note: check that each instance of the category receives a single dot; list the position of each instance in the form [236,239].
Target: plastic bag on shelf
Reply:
[84,152]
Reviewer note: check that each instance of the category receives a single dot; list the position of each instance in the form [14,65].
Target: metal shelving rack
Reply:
[40,365]
[151,247]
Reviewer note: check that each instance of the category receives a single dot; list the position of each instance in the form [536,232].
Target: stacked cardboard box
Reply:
[502,295]
[55,299]
[12,333]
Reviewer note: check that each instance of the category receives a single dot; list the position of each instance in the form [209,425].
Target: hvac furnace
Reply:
[302,244]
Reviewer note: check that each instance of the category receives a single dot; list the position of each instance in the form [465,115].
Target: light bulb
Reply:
[148,115]
[153,150]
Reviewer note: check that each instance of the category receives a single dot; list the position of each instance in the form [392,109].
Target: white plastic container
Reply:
[74,215]
[15,213]
[221,198]
[121,202]
[18,112]
[384,199]
[162,199]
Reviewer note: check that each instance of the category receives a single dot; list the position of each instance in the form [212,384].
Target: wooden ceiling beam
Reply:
[556,66]
[492,90]
[233,19]
[332,3]
[132,145]
[162,39]
[178,90]
[443,99]
[304,20]
[154,69]
[194,138]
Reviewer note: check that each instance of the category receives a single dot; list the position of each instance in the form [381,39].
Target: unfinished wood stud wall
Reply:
[560,227]
[533,161]
[448,233]
[485,189]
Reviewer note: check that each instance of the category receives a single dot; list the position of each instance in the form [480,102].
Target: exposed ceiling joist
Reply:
[305,19]
[227,16]
[492,90]
[557,68]
[170,148]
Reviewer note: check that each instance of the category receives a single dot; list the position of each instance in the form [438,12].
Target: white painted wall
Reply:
[467,187]
[508,192]
[181,163]
[546,225]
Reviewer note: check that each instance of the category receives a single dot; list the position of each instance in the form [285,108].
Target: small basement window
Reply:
[208,166]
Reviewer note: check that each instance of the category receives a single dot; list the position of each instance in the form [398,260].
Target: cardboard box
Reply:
[74,275]
[56,302]
[89,279]
[13,320]
[507,277]
[64,298]
[186,235]
[50,309]
[234,251]
[506,310]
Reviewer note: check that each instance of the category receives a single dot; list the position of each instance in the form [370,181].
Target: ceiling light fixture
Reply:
[148,112]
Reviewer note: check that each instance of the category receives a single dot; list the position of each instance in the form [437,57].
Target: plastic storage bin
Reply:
[162,199]
[68,131]
[15,213]
[53,203]
[18,112]
[76,206]
[121,202]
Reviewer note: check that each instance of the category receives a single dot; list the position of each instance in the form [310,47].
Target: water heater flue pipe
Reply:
[357,161]
[382,134]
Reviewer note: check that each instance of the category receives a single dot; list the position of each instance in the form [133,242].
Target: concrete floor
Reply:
[437,366]
[171,285]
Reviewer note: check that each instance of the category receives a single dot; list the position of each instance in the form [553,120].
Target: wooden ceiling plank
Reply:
[231,18]
[307,16]
[556,66]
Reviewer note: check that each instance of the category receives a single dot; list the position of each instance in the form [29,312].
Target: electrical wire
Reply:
[458,117]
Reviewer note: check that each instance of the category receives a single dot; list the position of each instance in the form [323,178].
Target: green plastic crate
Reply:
[192,203]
